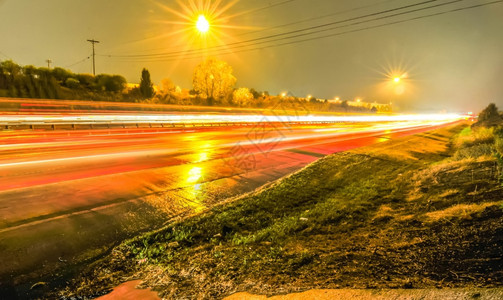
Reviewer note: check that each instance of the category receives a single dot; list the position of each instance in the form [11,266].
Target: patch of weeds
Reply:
[474,152]
[181,234]
[366,189]
[150,252]
[218,254]
[471,137]
[278,231]
[275,253]
[465,132]
[498,145]
[328,212]
[239,239]
[300,259]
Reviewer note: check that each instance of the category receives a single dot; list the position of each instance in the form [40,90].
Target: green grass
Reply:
[321,194]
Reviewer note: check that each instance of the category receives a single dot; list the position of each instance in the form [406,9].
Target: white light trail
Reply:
[224,118]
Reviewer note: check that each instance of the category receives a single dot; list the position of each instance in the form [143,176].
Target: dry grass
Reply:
[460,211]
[437,180]
[449,193]
[470,137]
[385,211]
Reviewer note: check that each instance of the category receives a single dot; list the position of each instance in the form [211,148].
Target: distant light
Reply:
[309,96]
[358,100]
[396,79]
[337,98]
[202,24]
[283,94]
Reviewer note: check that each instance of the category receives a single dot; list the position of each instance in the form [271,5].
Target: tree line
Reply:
[31,82]
[213,85]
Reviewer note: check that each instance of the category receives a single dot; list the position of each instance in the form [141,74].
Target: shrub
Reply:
[72,83]
[489,113]
[471,137]
[474,152]
[498,140]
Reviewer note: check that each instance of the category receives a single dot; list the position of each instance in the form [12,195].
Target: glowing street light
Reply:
[202,24]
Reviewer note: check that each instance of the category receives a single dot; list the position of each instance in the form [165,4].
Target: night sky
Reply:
[451,62]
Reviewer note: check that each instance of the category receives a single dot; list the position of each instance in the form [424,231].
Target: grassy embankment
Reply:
[421,211]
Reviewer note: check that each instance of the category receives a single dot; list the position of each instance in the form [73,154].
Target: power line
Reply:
[78,62]
[240,14]
[316,18]
[355,23]
[5,55]
[274,27]
[254,40]
[342,33]
[92,41]
[288,35]
[268,7]
[390,23]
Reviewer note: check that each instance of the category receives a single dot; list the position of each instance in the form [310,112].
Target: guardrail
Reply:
[111,125]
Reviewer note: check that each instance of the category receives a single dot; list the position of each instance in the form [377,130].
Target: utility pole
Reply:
[48,63]
[94,55]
